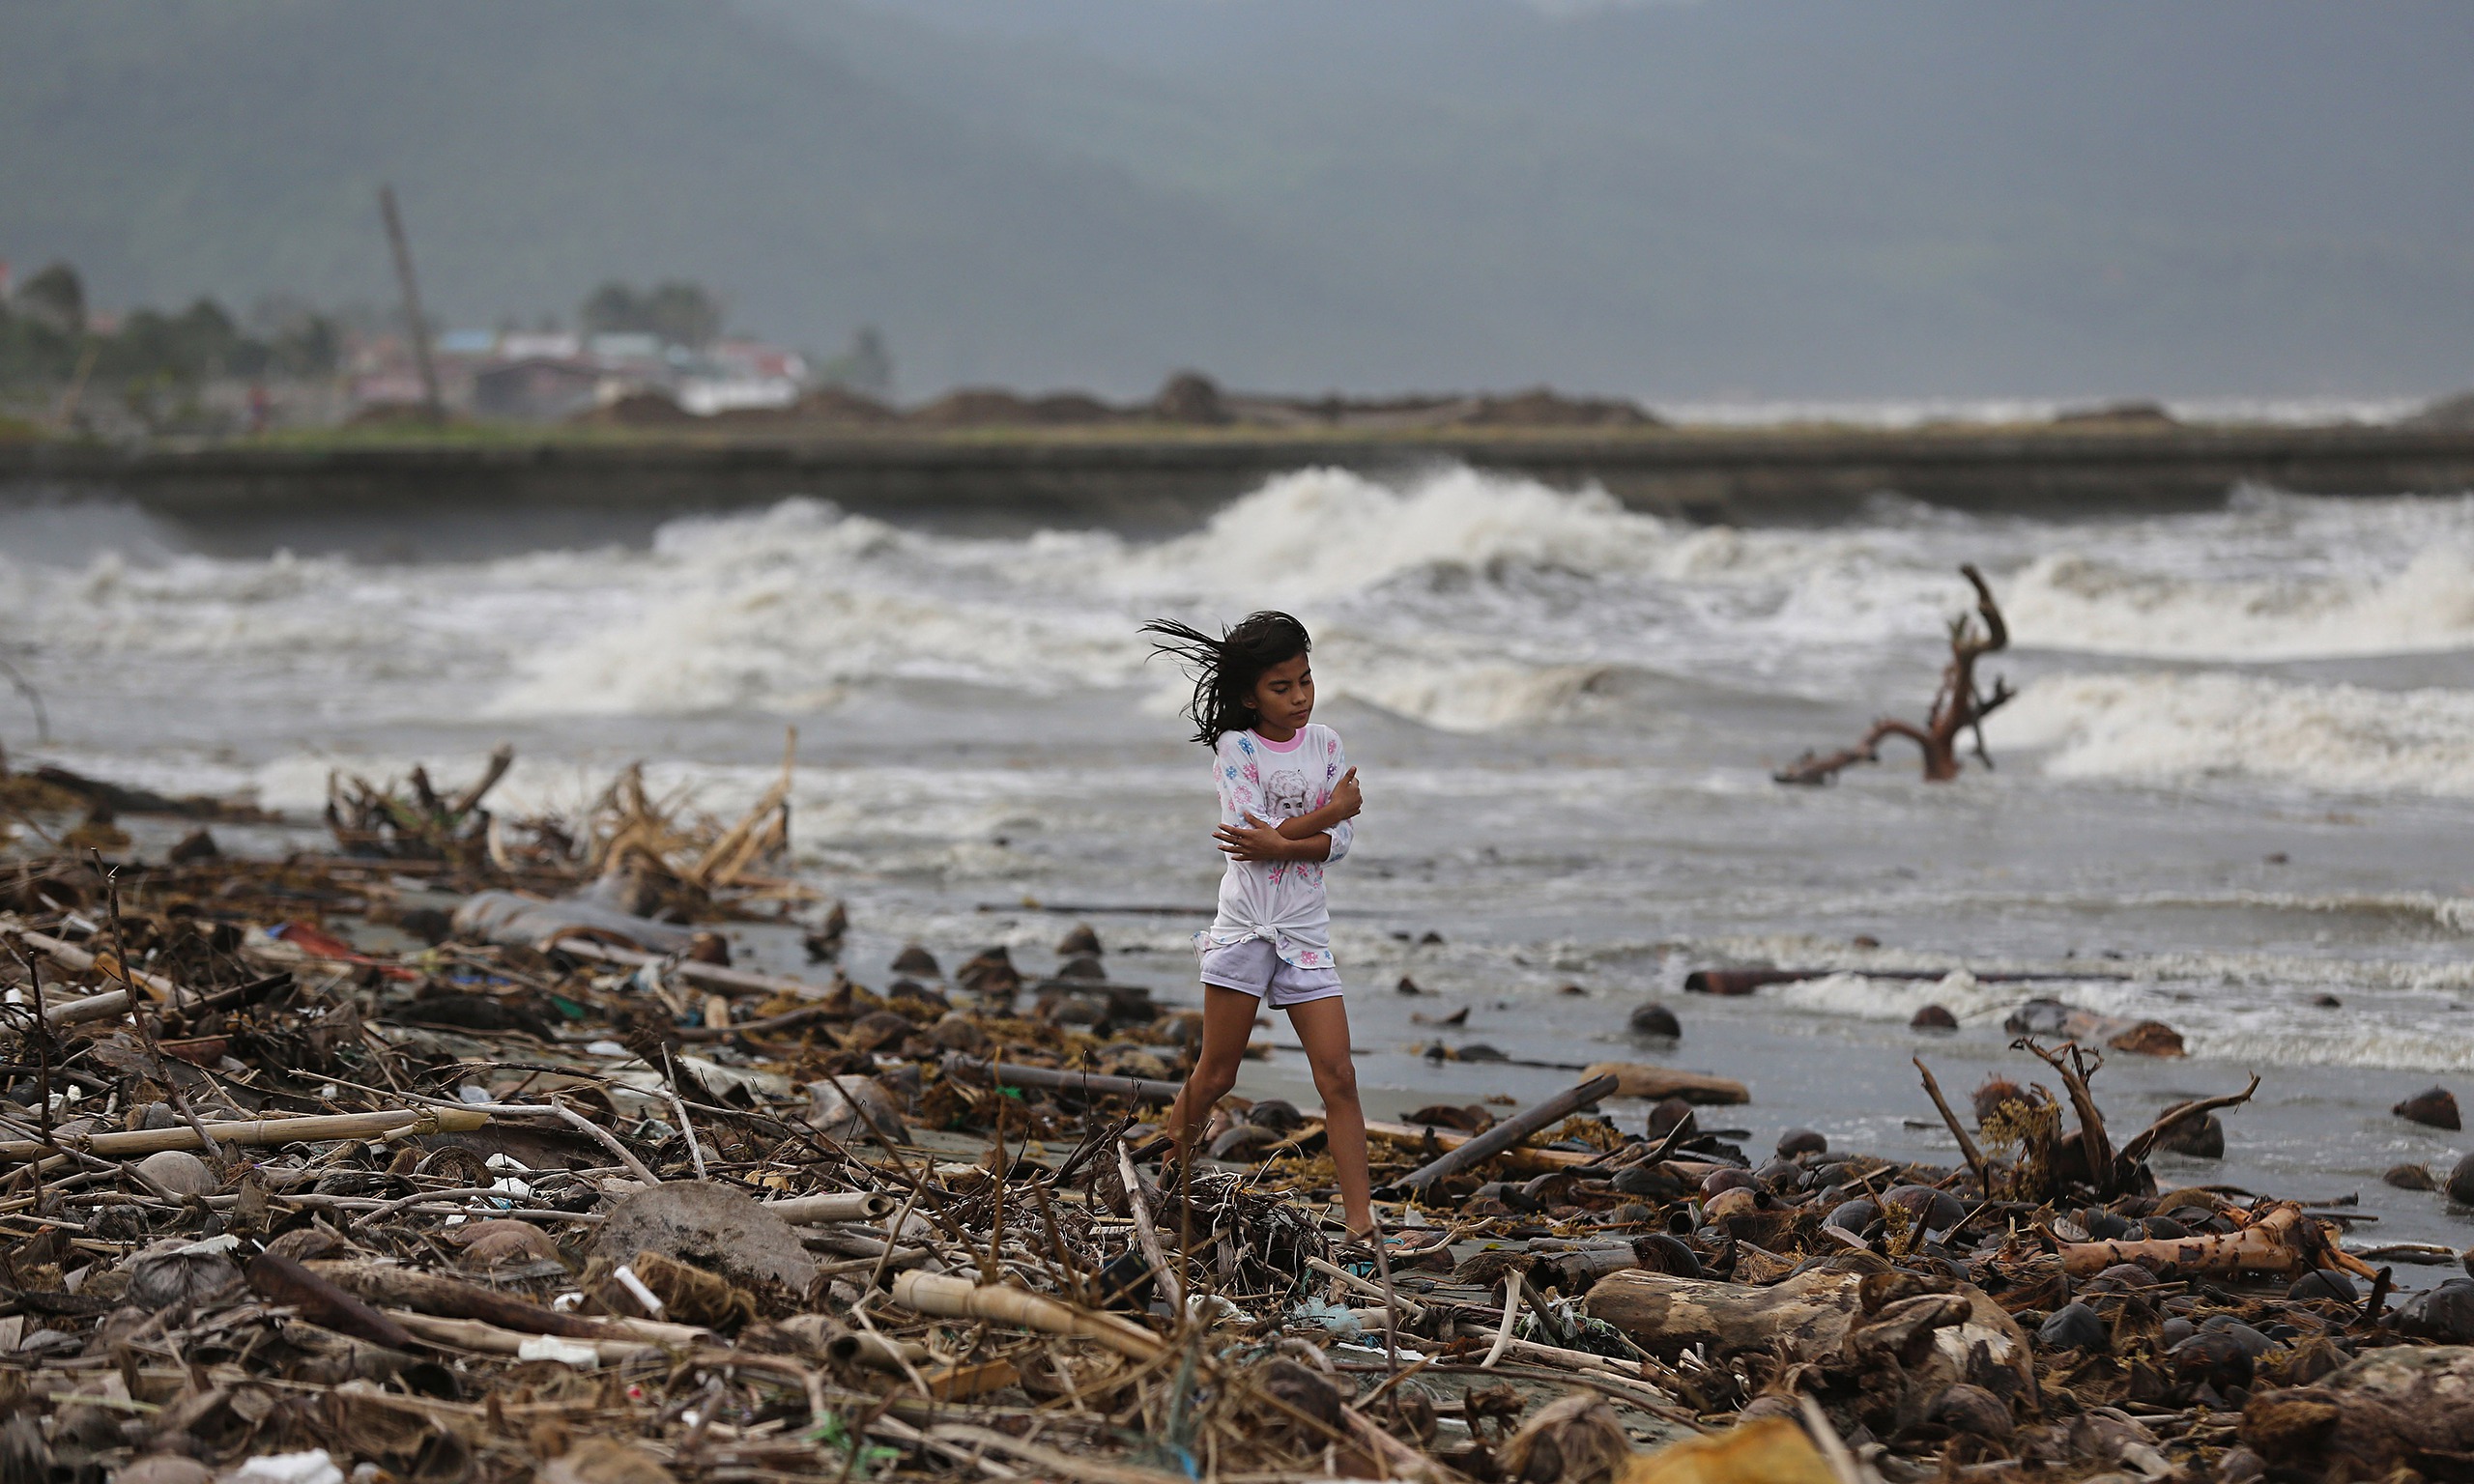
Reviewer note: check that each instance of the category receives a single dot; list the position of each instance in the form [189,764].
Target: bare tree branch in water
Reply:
[1959,708]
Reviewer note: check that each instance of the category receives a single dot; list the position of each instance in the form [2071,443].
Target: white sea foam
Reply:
[2179,727]
[2071,601]
[1465,600]
[2392,1019]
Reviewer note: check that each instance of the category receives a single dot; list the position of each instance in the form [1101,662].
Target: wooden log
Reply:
[1636,1080]
[261,1132]
[1811,1314]
[2281,1243]
[1938,1338]
[1505,1134]
[947,1296]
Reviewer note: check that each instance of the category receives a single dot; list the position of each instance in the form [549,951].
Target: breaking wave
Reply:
[2096,606]
[2176,728]
[1465,600]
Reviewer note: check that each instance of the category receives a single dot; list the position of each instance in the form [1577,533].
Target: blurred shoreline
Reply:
[1163,479]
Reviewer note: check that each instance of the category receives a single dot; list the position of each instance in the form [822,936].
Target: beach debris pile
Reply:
[442,1156]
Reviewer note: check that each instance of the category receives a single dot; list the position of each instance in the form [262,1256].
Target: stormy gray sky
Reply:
[1735,198]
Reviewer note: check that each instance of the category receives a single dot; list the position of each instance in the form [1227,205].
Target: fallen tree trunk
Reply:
[2283,1244]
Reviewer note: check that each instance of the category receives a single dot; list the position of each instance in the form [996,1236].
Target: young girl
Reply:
[1286,797]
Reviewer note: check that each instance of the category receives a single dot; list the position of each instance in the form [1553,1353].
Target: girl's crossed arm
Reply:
[1306,836]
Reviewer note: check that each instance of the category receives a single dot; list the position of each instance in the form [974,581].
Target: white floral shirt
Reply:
[1281,901]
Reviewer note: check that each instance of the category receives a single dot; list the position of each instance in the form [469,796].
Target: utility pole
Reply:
[432,403]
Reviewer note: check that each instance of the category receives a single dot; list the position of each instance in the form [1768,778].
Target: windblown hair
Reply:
[1225,670]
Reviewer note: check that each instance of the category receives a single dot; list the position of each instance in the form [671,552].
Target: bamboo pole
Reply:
[71,957]
[839,1205]
[947,1296]
[489,1339]
[259,1132]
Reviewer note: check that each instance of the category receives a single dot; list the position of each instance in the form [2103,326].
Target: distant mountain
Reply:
[1732,197]
[234,146]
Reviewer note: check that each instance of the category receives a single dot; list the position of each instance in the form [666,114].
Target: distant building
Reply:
[735,374]
[545,376]
[537,388]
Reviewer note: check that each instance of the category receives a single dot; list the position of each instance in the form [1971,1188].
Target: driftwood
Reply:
[1938,1338]
[1808,1315]
[2145,1139]
[1524,1160]
[2395,1412]
[856,1366]
[1968,1149]
[1958,712]
[395,1287]
[1088,1084]
[1504,1135]
[2096,1150]
[2281,1243]
[260,1133]
[70,955]
[1634,1079]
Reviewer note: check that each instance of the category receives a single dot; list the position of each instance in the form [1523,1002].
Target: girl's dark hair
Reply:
[1225,670]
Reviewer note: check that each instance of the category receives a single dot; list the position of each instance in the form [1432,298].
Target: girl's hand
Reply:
[1346,799]
[1263,842]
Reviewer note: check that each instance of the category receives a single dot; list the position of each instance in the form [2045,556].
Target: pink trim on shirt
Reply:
[1288,746]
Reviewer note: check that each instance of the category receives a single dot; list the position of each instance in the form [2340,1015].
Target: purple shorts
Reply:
[1257,967]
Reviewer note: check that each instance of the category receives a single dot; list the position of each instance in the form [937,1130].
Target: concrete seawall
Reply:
[1145,480]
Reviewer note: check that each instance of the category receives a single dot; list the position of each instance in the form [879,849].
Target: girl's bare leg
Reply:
[1323,1029]
[1228,1024]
